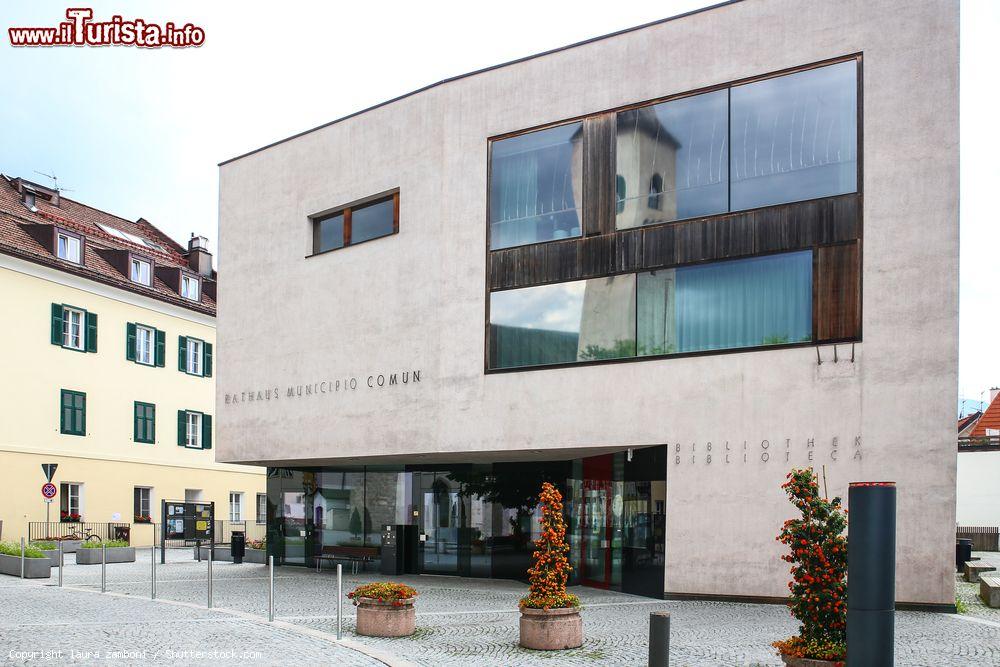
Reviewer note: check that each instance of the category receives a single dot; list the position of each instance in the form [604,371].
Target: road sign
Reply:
[49,490]
[49,469]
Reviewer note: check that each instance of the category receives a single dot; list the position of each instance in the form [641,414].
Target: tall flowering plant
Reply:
[818,554]
[547,577]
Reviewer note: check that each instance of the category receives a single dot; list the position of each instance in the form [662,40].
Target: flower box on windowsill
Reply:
[146,520]
[67,520]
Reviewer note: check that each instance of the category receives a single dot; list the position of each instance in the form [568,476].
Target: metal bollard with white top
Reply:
[152,577]
[340,599]
[209,581]
[60,562]
[104,567]
[22,558]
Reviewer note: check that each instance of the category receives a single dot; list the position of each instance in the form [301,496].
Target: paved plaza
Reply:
[460,621]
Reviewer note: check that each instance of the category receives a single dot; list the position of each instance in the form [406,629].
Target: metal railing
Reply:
[983,443]
[65,530]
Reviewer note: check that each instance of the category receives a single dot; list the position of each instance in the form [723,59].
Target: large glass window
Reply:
[356,224]
[672,160]
[794,137]
[372,221]
[535,186]
[583,320]
[723,305]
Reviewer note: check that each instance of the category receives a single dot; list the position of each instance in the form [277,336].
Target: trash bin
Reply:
[238,546]
[963,552]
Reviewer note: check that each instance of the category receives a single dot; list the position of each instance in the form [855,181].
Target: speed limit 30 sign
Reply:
[49,490]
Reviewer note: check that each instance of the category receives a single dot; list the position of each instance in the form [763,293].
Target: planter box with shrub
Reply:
[36,564]
[118,552]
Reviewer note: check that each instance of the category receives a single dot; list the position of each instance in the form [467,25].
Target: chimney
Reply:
[993,393]
[199,258]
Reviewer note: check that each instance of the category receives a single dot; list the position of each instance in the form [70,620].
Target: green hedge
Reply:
[45,546]
[13,549]
[108,543]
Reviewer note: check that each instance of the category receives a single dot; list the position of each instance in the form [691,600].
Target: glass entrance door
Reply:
[596,524]
[443,516]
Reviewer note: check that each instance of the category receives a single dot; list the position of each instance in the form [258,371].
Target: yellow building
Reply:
[109,332]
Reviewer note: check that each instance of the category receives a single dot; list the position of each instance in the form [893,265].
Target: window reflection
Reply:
[331,232]
[794,137]
[583,320]
[372,221]
[742,303]
[671,160]
[535,186]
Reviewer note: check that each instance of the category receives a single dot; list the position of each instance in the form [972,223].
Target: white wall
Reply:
[416,300]
[978,489]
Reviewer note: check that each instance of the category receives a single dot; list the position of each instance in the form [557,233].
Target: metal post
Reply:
[152,579]
[104,566]
[270,588]
[210,581]
[871,573]
[60,562]
[22,558]
[340,598]
[197,549]
[659,639]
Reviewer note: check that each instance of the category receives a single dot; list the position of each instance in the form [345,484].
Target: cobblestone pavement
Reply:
[969,593]
[460,621]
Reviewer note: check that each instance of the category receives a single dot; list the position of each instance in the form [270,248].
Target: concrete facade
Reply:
[415,302]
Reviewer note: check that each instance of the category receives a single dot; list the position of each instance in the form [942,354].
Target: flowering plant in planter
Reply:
[547,577]
[143,518]
[257,544]
[69,517]
[384,591]
[818,554]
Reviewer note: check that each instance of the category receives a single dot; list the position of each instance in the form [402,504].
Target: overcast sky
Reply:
[139,132]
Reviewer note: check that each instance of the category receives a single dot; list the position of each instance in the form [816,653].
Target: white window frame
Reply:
[145,353]
[261,508]
[70,496]
[190,287]
[70,251]
[195,356]
[193,423]
[235,506]
[148,491]
[74,340]
[136,265]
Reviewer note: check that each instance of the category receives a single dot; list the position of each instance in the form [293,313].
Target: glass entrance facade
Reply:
[482,520]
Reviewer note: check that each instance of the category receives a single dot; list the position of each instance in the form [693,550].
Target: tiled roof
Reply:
[989,420]
[968,420]
[17,223]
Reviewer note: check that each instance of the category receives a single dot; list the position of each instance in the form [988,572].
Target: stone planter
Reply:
[71,546]
[258,556]
[384,619]
[34,568]
[115,555]
[221,553]
[551,629]
[809,662]
[53,556]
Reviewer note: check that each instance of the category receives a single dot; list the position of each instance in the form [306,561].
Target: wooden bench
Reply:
[989,590]
[356,556]
[973,570]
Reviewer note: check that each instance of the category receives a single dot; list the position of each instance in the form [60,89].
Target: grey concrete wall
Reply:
[416,300]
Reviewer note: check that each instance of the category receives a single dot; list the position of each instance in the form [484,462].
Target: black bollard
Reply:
[871,573]
[659,639]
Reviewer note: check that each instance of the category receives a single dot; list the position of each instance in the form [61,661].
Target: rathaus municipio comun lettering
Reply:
[376,381]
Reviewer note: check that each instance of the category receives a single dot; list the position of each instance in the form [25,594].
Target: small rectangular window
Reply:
[140,271]
[142,504]
[194,430]
[194,352]
[235,506]
[355,224]
[73,328]
[144,429]
[68,247]
[190,288]
[261,508]
[144,341]
[70,494]
[72,412]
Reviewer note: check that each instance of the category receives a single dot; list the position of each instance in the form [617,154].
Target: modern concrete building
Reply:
[109,327]
[434,304]
[978,472]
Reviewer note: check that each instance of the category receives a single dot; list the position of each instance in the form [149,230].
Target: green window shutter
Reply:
[208,359]
[151,423]
[182,428]
[206,431]
[57,324]
[65,415]
[81,415]
[91,332]
[137,421]
[182,348]
[130,341]
[161,348]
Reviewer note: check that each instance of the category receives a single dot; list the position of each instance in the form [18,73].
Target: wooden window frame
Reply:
[316,220]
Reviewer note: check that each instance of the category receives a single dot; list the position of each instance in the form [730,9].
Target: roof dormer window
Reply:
[190,287]
[68,247]
[140,271]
